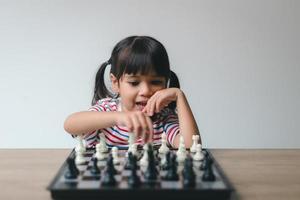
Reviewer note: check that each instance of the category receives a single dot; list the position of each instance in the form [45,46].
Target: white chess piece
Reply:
[79,151]
[80,146]
[114,152]
[199,155]
[144,159]
[163,148]
[99,154]
[181,152]
[195,142]
[131,141]
[79,159]
[102,145]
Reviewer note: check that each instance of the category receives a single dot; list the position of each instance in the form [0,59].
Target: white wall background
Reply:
[238,62]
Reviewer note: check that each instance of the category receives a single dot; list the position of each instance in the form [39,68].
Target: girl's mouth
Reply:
[140,105]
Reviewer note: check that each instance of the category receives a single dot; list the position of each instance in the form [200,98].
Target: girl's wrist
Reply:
[179,94]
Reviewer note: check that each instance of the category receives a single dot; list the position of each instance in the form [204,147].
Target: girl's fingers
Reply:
[137,127]
[128,123]
[152,106]
[144,125]
[150,132]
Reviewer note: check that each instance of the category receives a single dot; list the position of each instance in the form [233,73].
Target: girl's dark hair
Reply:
[132,55]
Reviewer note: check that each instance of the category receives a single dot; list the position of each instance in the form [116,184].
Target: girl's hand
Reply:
[138,123]
[161,99]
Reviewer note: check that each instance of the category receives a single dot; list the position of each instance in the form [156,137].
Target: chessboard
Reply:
[163,176]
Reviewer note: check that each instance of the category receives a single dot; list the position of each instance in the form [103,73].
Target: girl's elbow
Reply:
[68,125]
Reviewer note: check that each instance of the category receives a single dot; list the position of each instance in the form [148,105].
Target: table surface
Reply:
[255,174]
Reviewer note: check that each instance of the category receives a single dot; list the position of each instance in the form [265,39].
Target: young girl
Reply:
[146,99]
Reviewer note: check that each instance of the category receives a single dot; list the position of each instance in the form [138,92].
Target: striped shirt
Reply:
[166,122]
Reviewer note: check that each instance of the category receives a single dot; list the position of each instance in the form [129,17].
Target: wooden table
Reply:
[255,174]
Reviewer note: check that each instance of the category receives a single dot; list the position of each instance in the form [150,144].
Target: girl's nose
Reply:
[146,90]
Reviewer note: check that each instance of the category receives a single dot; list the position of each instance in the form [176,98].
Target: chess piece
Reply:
[102,144]
[134,150]
[109,175]
[195,139]
[188,173]
[100,152]
[114,153]
[80,147]
[163,148]
[172,171]
[199,155]
[208,174]
[151,172]
[79,157]
[144,159]
[72,171]
[95,169]
[204,163]
[128,163]
[133,179]
[181,152]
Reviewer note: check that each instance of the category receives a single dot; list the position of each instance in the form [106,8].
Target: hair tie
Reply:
[108,62]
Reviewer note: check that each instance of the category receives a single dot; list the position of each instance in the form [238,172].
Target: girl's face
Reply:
[136,90]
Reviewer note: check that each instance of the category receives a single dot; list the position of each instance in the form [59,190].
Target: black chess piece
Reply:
[188,173]
[95,169]
[128,161]
[208,174]
[109,175]
[172,171]
[133,179]
[151,172]
[203,165]
[72,172]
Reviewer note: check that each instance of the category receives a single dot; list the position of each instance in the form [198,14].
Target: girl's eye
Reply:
[133,83]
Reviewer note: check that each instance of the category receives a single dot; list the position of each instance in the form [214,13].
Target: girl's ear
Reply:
[114,83]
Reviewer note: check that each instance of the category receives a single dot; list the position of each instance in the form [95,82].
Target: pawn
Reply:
[72,171]
[199,155]
[188,173]
[100,155]
[151,172]
[195,139]
[181,152]
[114,152]
[79,160]
[109,175]
[133,179]
[95,169]
[208,174]
[204,163]
[144,159]
[80,147]
[163,148]
[128,163]
[110,164]
[102,145]
[172,172]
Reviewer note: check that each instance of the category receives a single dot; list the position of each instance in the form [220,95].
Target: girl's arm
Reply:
[88,121]
[187,123]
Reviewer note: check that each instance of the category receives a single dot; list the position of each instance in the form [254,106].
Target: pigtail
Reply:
[100,90]
[173,83]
